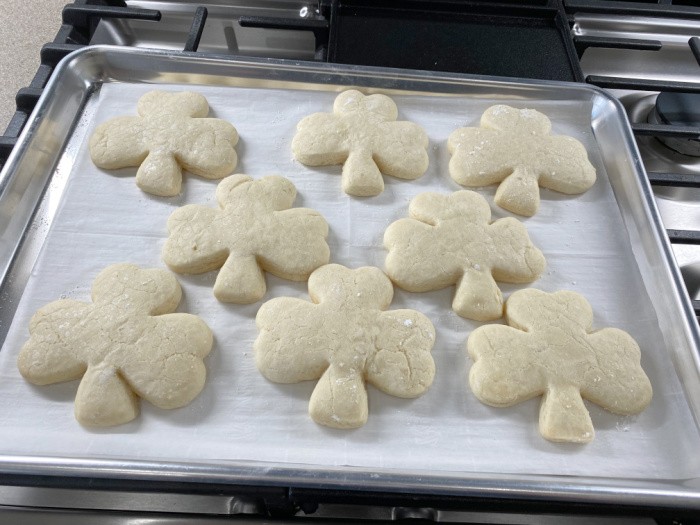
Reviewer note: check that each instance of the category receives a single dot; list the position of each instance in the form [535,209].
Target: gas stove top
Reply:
[637,50]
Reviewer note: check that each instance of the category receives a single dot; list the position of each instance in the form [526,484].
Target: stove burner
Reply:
[679,109]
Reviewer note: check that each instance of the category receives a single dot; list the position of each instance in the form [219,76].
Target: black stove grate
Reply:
[510,39]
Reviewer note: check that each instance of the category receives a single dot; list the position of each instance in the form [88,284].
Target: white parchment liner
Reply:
[103,218]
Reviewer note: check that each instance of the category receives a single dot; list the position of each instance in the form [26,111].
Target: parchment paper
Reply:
[103,218]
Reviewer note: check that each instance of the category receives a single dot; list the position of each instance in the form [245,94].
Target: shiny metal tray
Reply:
[34,181]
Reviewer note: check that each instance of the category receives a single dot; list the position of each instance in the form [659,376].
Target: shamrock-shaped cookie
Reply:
[550,350]
[253,230]
[345,338]
[169,134]
[515,146]
[448,240]
[124,345]
[362,134]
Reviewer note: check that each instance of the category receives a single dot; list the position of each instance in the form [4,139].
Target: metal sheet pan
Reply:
[43,169]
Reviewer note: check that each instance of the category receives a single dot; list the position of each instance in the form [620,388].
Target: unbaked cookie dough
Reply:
[549,349]
[346,338]
[514,147]
[169,134]
[125,345]
[363,135]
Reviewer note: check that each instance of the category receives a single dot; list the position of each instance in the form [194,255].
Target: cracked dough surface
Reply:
[124,345]
[345,337]
[550,349]
[170,133]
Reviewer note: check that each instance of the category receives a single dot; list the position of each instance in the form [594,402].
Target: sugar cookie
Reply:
[125,345]
[550,350]
[345,338]
[253,230]
[514,147]
[362,134]
[170,133]
[449,240]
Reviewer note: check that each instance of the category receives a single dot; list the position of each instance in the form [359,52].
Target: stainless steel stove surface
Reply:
[222,33]
[674,62]
[662,54]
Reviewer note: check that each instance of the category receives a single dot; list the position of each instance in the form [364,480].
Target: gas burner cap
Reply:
[678,109]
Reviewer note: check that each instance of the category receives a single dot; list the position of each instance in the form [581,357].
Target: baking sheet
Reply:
[103,218]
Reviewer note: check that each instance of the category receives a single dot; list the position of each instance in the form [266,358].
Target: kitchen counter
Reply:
[25,25]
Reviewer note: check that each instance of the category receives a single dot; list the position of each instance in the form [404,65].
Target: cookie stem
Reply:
[563,416]
[478,296]
[160,174]
[361,176]
[240,281]
[103,399]
[339,399]
[519,193]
